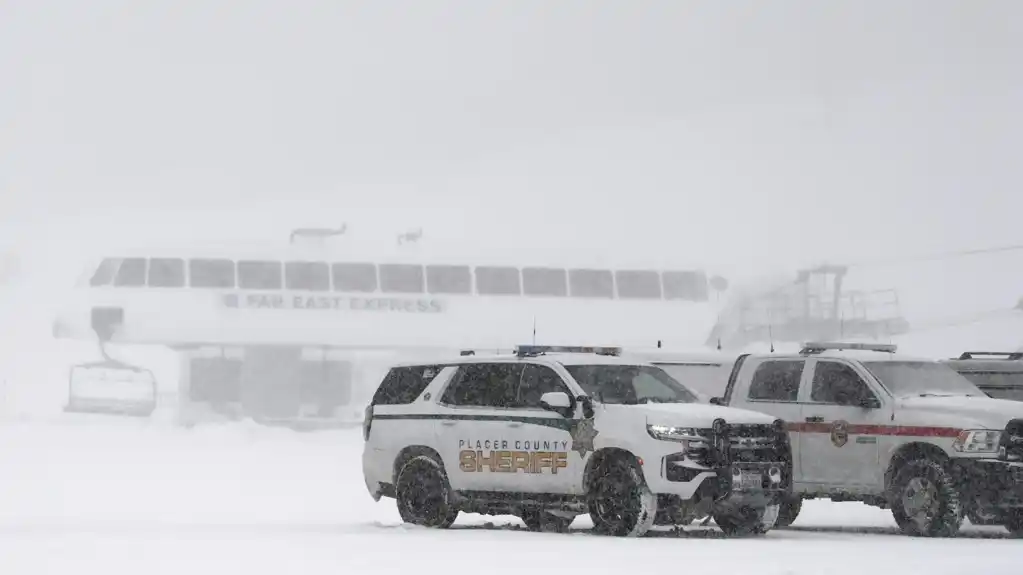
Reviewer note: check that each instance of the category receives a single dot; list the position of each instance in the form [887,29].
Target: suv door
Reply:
[843,417]
[540,436]
[475,425]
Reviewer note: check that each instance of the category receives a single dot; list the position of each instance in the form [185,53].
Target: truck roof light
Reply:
[1012,355]
[529,350]
[814,347]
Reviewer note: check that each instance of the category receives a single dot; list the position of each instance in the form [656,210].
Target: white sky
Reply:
[735,135]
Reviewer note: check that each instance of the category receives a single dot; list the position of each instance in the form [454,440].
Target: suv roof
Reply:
[560,357]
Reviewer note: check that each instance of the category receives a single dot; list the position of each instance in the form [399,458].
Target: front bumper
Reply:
[738,463]
[991,483]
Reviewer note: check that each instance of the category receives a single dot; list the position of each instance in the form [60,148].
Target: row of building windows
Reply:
[401,278]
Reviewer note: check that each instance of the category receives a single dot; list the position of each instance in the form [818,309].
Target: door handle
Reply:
[449,423]
[515,424]
[815,419]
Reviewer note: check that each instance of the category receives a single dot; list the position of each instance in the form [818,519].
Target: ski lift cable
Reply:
[937,256]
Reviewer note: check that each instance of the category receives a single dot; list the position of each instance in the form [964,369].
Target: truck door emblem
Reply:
[583,433]
[840,433]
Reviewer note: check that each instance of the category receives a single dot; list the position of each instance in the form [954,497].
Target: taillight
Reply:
[367,422]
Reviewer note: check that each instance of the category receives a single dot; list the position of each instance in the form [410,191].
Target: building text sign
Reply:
[326,302]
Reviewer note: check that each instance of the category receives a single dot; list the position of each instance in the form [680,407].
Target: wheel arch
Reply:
[609,454]
[911,452]
[411,452]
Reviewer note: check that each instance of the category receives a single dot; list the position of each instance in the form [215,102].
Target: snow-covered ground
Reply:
[90,494]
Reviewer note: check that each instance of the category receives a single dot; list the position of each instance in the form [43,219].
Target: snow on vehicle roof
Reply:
[562,358]
[854,354]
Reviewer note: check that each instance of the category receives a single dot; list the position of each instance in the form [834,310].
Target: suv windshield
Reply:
[630,384]
[920,378]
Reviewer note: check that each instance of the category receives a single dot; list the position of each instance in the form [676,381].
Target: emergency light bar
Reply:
[1011,355]
[528,350]
[817,347]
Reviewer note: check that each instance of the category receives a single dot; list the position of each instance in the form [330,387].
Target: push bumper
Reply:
[994,483]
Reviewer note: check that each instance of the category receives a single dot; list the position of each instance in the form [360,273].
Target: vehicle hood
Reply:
[983,412]
[698,414]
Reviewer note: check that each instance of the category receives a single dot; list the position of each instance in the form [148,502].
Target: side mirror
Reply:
[870,402]
[556,401]
[717,401]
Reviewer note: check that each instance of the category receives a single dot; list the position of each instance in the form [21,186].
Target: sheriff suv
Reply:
[548,434]
[889,430]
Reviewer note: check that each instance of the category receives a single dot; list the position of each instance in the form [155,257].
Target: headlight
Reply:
[669,433]
[977,441]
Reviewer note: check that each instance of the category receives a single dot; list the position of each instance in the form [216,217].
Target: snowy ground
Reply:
[83,494]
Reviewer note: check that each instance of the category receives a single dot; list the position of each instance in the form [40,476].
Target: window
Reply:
[536,381]
[484,385]
[591,283]
[630,384]
[998,384]
[259,275]
[403,385]
[132,273]
[916,378]
[776,381]
[544,282]
[308,276]
[105,273]
[401,278]
[689,286]
[448,279]
[360,278]
[498,281]
[166,272]
[211,273]
[839,384]
[638,284]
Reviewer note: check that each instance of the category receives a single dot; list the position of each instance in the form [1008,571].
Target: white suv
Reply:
[547,435]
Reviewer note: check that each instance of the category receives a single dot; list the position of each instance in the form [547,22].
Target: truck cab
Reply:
[898,432]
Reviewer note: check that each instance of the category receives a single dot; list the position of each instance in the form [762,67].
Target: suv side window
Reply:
[536,381]
[484,385]
[838,384]
[776,380]
[402,385]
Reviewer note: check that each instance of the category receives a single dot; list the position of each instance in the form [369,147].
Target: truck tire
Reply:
[746,520]
[620,502]
[1014,523]
[424,494]
[925,501]
[545,521]
[788,510]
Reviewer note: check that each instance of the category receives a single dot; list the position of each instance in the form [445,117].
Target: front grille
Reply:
[745,444]
[1012,441]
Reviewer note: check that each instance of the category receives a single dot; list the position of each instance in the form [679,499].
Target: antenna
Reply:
[719,343]
[770,329]
[658,344]
[534,330]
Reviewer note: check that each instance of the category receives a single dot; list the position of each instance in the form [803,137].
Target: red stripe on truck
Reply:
[895,430]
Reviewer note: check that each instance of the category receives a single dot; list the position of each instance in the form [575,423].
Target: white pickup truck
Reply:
[892,431]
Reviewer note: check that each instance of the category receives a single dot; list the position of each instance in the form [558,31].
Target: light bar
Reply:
[819,346]
[523,350]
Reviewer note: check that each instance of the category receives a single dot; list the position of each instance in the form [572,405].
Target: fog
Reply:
[743,139]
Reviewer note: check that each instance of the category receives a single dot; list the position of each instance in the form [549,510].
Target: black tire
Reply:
[1013,521]
[620,503]
[424,494]
[746,521]
[788,511]
[546,522]
[925,501]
